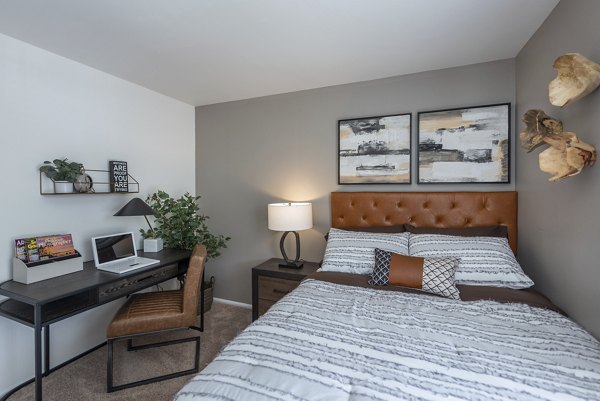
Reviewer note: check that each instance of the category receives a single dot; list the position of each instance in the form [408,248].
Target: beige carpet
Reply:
[85,378]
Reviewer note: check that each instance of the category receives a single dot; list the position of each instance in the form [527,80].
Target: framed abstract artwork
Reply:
[374,150]
[465,145]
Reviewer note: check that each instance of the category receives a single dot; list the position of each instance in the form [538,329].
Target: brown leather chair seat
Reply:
[154,312]
[147,312]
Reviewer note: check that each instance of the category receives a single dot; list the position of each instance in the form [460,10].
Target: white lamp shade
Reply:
[291,216]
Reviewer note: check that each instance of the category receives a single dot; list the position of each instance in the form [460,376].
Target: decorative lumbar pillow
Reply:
[354,252]
[433,275]
[483,260]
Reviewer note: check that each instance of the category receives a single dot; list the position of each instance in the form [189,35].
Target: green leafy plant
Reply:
[62,170]
[180,225]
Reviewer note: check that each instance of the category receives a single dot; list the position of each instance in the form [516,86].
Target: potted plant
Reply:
[180,225]
[62,173]
[152,242]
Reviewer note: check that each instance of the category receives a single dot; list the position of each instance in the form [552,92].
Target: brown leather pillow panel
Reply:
[406,271]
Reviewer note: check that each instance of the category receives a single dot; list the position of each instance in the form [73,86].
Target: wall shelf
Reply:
[101,185]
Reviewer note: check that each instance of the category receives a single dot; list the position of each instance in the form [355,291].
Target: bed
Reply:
[338,337]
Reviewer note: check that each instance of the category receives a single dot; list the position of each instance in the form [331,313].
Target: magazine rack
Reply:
[28,273]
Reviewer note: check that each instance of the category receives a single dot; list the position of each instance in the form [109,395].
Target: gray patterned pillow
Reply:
[432,275]
[483,260]
[354,252]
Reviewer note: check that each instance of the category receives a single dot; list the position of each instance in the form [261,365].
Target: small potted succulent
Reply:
[63,174]
[152,242]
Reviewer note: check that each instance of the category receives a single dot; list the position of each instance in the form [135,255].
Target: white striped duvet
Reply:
[327,341]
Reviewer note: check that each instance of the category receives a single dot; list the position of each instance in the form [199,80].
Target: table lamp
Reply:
[290,217]
[137,207]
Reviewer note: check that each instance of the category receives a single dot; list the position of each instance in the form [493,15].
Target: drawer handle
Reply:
[276,291]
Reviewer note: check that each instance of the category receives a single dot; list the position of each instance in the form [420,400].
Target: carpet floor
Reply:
[85,378]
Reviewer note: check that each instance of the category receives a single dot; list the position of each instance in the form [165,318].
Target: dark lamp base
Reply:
[292,265]
[289,263]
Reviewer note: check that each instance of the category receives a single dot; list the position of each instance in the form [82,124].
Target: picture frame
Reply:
[375,150]
[464,145]
[118,176]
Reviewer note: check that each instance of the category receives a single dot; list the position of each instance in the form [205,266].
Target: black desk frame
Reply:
[40,304]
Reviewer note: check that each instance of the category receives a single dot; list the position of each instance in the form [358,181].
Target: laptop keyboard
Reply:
[130,265]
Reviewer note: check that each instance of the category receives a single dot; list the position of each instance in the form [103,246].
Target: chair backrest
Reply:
[193,277]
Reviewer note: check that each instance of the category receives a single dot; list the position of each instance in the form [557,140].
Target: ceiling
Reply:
[211,51]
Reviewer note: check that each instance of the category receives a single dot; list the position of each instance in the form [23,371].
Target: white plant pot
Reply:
[153,245]
[63,187]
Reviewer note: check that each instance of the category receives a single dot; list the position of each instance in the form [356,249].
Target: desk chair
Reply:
[155,312]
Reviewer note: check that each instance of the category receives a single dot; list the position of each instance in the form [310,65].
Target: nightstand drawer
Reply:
[270,283]
[273,289]
[264,305]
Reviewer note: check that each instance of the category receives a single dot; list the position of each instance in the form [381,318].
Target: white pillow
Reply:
[486,261]
[354,251]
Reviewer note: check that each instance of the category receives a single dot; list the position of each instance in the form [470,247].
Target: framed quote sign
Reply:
[118,176]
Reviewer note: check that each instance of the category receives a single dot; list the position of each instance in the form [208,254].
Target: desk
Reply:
[40,304]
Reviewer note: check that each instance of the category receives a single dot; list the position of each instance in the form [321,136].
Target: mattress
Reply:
[332,339]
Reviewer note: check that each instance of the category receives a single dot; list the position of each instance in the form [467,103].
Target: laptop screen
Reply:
[114,247]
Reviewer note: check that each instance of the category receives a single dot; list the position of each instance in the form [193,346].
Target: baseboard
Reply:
[234,303]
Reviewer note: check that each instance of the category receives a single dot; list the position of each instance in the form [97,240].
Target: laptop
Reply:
[116,253]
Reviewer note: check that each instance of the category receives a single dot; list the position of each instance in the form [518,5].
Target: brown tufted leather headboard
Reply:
[426,209]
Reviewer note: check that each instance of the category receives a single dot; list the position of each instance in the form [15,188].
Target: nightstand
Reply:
[271,282]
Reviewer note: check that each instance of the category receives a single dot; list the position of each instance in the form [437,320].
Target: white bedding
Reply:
[331,342]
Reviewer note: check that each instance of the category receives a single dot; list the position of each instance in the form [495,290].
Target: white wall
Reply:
[53,107]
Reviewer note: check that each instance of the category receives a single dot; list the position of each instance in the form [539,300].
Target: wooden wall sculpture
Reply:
[577,77]
[566,156]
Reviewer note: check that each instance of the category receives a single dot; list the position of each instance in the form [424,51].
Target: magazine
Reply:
[26,250]
[48,247]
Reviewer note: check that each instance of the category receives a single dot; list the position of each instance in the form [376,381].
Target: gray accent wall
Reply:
[284,148]
[559,222]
